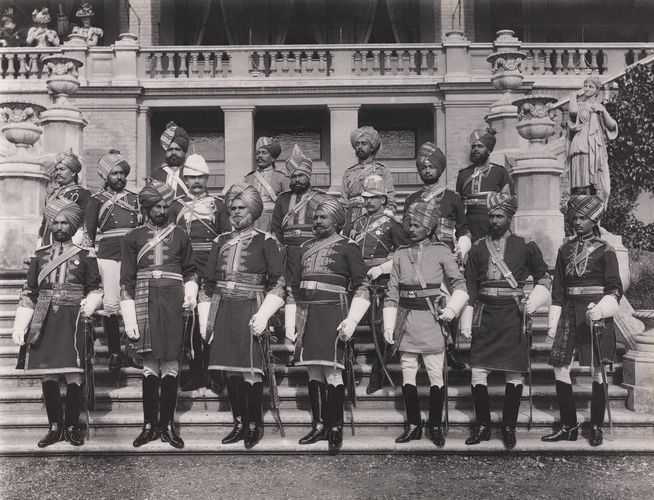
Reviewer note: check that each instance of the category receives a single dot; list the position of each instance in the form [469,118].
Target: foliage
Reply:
[641,291]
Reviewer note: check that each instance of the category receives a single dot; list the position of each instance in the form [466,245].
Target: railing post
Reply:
[125,61]
[457,62]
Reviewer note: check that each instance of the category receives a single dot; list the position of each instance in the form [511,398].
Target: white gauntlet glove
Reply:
[390,315]
[607,307]
[128,310]
[21,324]
[358,308]
[91,303]
[190,295]
[457,302]
[539,297]
[289,321]
[269,306]
[465,324]
[553,320]
[203,318]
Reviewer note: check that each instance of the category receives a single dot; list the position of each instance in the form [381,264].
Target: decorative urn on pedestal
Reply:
[19,123]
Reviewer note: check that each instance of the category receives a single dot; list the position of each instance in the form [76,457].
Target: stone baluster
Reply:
[206,56]
[322,63]
[224,60]
[297,57]
[412,62]
[22,66]
[273,63]
[364,62]
[387,61]
[285,67]
[605,61]
[424,70]
[376,67]
[309,62]
[182,65]
[593,62]
[11,69]
[158,68]
[558,65]
[583,66]
[195,70]
[400,62]
[547,62]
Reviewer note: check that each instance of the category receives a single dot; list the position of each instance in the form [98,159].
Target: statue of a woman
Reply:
[589,129]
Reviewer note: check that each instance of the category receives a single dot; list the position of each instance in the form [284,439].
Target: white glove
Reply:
[78,237]
[289,321]
[358,308]
[553,317]
[464,244]
[21,324]
[377,271]
[128,310]
[454,305]
[539,297]
[607,307]
[269,306]
[91,303]
[346,329]
[203,318]
[465,324]
[447,315]
[390,315]
[389,212]
[190,295]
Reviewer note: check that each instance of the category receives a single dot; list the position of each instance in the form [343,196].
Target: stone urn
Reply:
[535,117]
[76,39]
[63,77]
[506,70]
[19,122]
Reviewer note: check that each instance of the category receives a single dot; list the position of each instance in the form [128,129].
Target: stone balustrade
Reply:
[25,63]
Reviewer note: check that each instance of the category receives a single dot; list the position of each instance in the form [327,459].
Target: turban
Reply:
[484,135]
[424,214]
[374,186]
[110,161]
[248,195]
[155,191]
[70,160]
[332,207]
[430,152]
[369,133]
[69,209]
[176,134]
[298,162]
[195,165]
[504,202]
[587,204]
[269,144]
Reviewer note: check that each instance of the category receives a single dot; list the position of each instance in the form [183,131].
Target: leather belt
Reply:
[268,205]
[159,275]
[239,287]
[201,246]
[375,261]
[112,233]
[501,292]
[418,294]
[298,233]
[325,287]
[470,202]
[585,290]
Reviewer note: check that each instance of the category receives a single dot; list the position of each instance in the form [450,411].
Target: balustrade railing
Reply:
[186,63]
[24,63]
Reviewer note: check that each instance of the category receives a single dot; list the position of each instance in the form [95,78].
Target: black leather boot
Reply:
[73,433]
[150,430]
[335,400]
[597,408]
[435,424]
[318,431]
[452,360]
[167,412]
[413,427]
[197,375]
[254,429]
[111,328]
[52,399]
[375,379]
[569,428]
[481,431]
[512,395]
[236,395]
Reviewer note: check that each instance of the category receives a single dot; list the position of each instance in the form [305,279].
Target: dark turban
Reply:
[271,145]
[424,214]
[369,133]
[155,191]
[430,152]
[70,160]
[332,207]
[298,162]
[110,161]
[248,195]
[69,209]
[484,135]
[504,202]
[175,133]
[587,204]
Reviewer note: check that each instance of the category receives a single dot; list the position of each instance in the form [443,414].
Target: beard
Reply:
[299,187]
[241,223]
[175,161]
[428,181]
[478,158]
[61,236]
[497,232]
[323,232]
[117,185]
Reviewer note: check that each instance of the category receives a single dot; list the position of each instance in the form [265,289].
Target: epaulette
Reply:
[280,170]
[401,247]
[43,248]
[222,234]
[479,241]
[265,233]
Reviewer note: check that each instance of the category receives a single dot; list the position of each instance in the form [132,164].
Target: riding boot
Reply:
[375,379]
[254,430]
[167,412]
[197,374]
[481,431]
[435,424]
[597,408]
[112,333]
[512,395]
[335,400]
[73,433]
[452,360]
[568,431]
[150,430]
[236,395]
[413,428]
[317,432]
[52,399]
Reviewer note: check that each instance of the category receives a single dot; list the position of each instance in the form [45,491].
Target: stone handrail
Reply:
[25,63]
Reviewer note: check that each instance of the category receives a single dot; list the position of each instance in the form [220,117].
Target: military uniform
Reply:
[352,186]
[72,192]
[270,183]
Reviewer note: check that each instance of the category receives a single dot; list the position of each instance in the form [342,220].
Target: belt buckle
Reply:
[411,294]
[230,285]
[311,285]
[157,274]
[296,233]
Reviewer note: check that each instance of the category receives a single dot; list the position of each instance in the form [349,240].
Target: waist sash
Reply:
[584,290]
[66,294]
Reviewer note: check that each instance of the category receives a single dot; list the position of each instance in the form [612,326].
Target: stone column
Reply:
[638,366]
[143,146]
[125,67]
[239,142]
[343,119]
[456,57]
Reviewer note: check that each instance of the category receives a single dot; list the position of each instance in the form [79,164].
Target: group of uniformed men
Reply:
[174,253]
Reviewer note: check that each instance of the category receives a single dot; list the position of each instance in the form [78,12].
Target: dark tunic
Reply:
[109,217]
[378,236]
[474,185]
[275,182]
[174,180]
[576,286]
[497,341]
[60,345]
[453,222]
[334,262]
[165,295]
[352,186]
[242,267]
[73,192]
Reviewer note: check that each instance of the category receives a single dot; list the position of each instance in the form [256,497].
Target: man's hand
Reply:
[467,334]
[189,303]
[18,336]
[132,331]
[530,307]
[594,312]
[375,272]
[388,336]
[258,325]
[346,329]
[446,314]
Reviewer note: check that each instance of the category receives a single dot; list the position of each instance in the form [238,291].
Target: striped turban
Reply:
[269,144]
[248,195]
[110,161]
[175,133]
[504,202]
[297,162]
[155,191]
[69,209]
[424,214]
[70,161]
[486,136]
[429,152]
[332,207]
[587,204]
[369,133]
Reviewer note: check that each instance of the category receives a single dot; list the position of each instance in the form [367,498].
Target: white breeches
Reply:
[326,375]
[480,377]
[160,368]
[433,363]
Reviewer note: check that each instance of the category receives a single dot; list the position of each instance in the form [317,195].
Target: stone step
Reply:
[8,302]
[11,287]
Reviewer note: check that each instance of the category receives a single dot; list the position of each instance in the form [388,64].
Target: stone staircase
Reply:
[205,417]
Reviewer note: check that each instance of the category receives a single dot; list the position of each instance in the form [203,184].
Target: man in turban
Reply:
[67,167]
[497,269]
[477,181]
[158,281]
[242,287]
[111,214]
[586,289]
[204,218]
[175,142]
[366,143]
[332,268]
[412,318]
[63,284]
[269,180]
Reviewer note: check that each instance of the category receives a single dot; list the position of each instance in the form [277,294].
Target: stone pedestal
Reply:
[343,119]
[239,143]
[638,366]
[456,47]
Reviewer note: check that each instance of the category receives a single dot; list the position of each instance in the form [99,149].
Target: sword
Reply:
[446,331]
[526,331]
[266,353]
[187,316]
[596,330]
[89,381]
[373,320]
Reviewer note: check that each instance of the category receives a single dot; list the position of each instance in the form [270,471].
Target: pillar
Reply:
[343,119]
[239,142]
[143,140]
